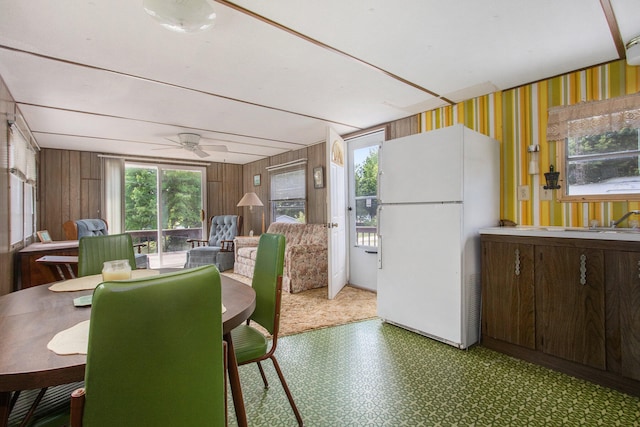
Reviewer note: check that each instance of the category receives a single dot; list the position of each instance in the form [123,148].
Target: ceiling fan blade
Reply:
[199,152]
[214,148]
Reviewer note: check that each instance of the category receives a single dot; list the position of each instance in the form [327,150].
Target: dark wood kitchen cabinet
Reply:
[623,306]
[508,310]
[569,304]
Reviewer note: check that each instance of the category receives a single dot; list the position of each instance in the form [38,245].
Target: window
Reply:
[288,196]
[363,189]
[599,149]
[22,167]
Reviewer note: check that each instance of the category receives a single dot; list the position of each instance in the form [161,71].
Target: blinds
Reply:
[22,157]
[288,185]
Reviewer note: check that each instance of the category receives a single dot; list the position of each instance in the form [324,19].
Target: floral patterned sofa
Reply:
[305,255]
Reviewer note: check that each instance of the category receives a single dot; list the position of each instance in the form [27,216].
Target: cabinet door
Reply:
[623,305]
[570,301]
[508,305]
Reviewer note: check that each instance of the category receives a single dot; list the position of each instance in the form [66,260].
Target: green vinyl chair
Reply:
[155,354]
[249,343]
[93,251]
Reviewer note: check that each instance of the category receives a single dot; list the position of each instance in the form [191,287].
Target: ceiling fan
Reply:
[191,142]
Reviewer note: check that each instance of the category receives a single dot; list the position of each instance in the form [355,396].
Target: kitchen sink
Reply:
[598,230]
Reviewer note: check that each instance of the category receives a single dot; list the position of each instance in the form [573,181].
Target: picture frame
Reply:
[257,180]
[44,236]
[318,177]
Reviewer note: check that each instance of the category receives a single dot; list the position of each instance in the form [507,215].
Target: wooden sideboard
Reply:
[32,273]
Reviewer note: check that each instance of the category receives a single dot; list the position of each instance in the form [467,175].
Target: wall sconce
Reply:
[533,158]
[552,179]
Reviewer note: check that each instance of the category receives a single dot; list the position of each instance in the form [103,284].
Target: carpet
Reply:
[311,309]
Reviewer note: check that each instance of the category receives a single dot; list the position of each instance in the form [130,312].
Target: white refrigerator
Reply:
[436,190]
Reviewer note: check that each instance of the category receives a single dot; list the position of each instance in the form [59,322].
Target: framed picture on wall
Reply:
[44,236]
[318,177]
[256,180]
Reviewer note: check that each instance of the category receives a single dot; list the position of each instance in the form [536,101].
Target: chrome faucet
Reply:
[625,216]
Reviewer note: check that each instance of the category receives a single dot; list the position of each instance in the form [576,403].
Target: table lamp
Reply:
[251,200]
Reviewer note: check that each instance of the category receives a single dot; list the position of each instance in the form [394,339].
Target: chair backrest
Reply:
[155,354]
[74,230]
[267,278]
[94,251]
[223,227]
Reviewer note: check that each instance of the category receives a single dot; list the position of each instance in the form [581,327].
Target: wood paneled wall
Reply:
[403,127]
[316,197]
[70,188]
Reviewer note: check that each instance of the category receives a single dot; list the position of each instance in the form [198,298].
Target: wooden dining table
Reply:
[30,318]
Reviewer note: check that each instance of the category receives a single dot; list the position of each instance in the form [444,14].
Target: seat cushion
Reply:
[248,343]
[248,252]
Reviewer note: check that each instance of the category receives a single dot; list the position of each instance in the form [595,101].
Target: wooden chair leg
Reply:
[287,391]
[77,408]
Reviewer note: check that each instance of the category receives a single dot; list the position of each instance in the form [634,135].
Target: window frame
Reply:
[586,119]
[273,181]
[563,168]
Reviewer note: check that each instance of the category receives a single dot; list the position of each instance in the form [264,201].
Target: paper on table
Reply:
[90,282]
[74,340]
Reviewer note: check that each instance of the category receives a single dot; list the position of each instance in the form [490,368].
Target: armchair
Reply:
[74,230]
[218,250]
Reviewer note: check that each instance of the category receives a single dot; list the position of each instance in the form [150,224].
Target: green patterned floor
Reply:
[374,374]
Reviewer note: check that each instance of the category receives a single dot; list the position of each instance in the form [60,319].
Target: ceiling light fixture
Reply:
[633,51]
[182,16]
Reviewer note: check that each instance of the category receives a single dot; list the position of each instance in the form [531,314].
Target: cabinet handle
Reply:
[517,262]
[583,269]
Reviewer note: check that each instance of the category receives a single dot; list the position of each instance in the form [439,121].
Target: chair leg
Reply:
[77,407]
[287,391]
[264,377]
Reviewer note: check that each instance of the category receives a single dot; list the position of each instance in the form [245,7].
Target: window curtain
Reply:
[113,194]
[594,118]
[22,181]
[22,156]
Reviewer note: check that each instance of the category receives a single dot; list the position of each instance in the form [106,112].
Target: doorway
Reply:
[171,196]
[363,208]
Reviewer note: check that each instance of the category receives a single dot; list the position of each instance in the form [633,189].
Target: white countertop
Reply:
[621,234]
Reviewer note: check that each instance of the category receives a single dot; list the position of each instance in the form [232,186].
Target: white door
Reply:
[336,213]
[362,209]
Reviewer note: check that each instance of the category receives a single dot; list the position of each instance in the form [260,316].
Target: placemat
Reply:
[74,340]
[90,282]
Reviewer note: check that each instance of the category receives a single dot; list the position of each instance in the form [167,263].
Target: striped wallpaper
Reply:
[517,118]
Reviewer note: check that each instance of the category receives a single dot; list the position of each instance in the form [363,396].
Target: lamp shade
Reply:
[250,199]
[633,51]
[183,16]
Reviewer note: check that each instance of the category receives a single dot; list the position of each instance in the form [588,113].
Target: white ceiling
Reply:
[271,76]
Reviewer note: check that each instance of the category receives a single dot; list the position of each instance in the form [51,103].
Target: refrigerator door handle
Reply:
[379,215]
